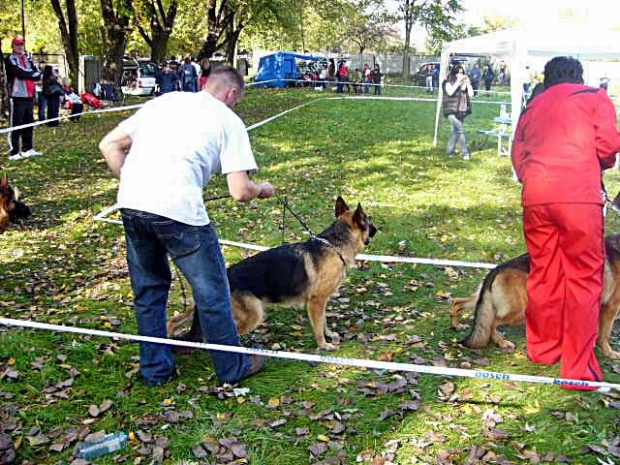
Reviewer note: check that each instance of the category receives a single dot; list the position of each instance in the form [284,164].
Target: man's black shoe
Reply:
[256,364]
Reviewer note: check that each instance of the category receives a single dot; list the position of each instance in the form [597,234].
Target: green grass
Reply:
[65,268]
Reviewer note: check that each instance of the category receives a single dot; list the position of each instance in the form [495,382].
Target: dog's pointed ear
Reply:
[4,182]
[359,215]
[341,206]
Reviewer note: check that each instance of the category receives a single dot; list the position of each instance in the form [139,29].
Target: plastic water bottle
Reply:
[107,445]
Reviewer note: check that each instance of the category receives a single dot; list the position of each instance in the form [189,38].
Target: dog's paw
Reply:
[334,336]
[612,354]
[460,327]
[507,345]
[327,346]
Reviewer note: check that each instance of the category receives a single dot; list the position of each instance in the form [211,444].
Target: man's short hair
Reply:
[228,75]
[563,70]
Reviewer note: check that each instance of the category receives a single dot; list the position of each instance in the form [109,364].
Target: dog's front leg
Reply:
[609,311]
[334,336]
[316,313]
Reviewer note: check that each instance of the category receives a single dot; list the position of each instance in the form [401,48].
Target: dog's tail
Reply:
[462,303]
[485,315]
[179,320]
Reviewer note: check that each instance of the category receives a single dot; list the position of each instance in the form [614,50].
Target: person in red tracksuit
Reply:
[565,138]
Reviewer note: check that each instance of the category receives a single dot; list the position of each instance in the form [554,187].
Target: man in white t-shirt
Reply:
[165,154]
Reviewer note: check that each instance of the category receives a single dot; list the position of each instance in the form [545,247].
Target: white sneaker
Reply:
[31,153]
[17,156]
[465,157]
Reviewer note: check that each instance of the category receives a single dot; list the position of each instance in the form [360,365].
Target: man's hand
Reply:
[266,190]
[243,189]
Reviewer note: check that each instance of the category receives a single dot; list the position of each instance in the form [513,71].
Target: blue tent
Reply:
[279,66]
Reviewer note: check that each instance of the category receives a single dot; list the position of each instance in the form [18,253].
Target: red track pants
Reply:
[566,247]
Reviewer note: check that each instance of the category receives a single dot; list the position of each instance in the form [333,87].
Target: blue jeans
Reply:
[457,135]
[196,251]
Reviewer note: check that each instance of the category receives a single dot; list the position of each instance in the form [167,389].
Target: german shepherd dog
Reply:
[502,297]
[11,209]
[295,275]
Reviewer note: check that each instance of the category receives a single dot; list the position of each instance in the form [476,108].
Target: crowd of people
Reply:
[356,81]
[187,76]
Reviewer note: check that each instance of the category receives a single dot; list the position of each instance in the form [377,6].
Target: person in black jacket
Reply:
[457,94]
[21,76]
[167,79]
[52,90]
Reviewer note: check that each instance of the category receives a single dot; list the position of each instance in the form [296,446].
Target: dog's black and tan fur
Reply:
[12,210]
[295,275]
[501,299]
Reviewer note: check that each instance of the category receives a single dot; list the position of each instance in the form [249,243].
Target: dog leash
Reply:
[313,236]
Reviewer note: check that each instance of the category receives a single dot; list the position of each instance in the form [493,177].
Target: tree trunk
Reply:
[115,29]
[218,22]
[405,74]
[159,47]
[69,33]
[231,40]
[161,24]
[407,9]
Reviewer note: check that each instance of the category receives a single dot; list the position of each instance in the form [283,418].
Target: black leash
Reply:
[211,199]
[313,236]
[285,206]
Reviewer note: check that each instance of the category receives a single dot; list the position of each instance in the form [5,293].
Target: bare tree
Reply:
[228,18]
[371,25]
[161,22]
[434,15]
[69,33]
[219,18]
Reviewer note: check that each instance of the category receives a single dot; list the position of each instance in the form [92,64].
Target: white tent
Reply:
[515,47]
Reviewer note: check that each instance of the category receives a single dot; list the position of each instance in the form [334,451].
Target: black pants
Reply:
[53,108]
[77,109]
[21,112]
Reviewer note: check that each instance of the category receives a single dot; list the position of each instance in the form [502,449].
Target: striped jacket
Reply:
[20,78]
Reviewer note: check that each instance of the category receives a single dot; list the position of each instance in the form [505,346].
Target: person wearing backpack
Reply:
[52,90]
[457,94]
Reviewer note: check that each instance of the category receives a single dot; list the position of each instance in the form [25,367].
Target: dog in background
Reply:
[12,210]
[501,299]
[294,275]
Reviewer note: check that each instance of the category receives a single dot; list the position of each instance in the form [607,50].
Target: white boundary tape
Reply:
[371,258]
[132,107]
[362,84]
[362,363]
[94,112]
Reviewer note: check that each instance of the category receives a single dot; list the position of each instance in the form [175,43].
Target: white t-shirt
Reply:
[179,140]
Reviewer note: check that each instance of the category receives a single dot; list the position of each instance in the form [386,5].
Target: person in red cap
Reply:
[21,76]
[565,138]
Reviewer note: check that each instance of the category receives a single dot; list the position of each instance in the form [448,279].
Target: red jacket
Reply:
[564,140]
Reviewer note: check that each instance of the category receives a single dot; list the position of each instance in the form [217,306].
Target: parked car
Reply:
[419,78]
[138,77]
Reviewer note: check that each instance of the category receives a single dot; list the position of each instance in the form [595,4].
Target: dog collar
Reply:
[329,244]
